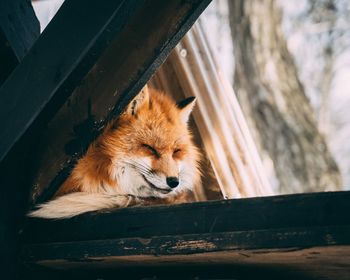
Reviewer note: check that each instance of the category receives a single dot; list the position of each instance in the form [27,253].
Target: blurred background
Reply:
[288,63]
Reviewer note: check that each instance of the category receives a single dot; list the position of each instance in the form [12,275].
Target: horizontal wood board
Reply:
[308,233]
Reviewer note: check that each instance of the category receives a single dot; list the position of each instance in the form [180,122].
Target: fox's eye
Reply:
[151,149]
[176,151]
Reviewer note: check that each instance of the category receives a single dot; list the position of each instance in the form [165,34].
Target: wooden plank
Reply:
[51,65]
[323,209]
[8,58]
[19,29]
[148,248]
[309,233]
[311,263]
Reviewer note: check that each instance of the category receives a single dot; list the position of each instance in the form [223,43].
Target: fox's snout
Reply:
[172,182]
[169,167]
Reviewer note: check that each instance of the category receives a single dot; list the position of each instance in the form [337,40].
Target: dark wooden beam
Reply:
[323,209]
[65,52]
[308,233]
[19,29]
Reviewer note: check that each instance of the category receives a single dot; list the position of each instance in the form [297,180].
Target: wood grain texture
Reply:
[320,209]
[308,233]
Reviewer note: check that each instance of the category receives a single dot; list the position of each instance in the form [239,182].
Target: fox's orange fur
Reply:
[146,156]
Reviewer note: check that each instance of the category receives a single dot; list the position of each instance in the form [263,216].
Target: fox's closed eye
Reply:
[176,151]
[151,149]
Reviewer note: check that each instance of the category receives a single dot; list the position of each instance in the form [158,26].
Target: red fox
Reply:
[145,156]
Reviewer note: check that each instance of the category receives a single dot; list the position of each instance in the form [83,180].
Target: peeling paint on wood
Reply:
[270,232]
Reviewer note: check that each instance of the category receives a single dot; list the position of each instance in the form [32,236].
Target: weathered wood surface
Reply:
[19,29]
[305,232]
[294,263]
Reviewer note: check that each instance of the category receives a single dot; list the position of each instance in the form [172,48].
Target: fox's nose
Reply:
[172,182]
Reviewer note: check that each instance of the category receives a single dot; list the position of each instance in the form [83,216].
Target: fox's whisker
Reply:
[145,171]
[142,169]
[136,162]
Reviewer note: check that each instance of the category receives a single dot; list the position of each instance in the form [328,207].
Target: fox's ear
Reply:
[140,99]
[186,107]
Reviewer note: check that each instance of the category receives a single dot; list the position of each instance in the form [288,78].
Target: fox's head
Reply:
[153,153]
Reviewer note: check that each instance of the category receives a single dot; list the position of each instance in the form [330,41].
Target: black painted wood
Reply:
[66,50]
[19,29]
[305,234]
[267,239]
[291,211]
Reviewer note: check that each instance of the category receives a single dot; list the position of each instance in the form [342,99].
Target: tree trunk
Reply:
[273,100]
